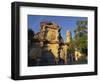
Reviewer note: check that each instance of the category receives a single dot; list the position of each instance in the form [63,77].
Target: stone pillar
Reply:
[68,36]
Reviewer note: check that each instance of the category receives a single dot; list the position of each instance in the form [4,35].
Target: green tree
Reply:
[30,34]
[81,36]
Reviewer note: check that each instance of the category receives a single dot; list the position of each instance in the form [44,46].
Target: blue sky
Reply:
[66,22]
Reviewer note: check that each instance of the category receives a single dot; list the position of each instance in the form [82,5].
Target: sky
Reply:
[67,23]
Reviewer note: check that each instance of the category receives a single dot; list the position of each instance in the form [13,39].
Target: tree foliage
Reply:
[81,36]
[30,34]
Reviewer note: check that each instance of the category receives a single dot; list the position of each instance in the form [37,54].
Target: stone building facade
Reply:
[51,39]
